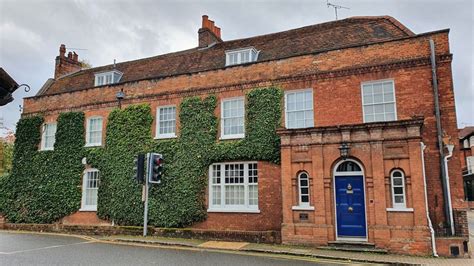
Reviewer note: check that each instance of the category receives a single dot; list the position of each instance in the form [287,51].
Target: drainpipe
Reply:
[433,241]
[439,132]
[446,158]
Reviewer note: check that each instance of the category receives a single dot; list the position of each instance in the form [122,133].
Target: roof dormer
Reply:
[109,77]
[241,56]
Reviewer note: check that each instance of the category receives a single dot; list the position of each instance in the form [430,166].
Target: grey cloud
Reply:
[31,32]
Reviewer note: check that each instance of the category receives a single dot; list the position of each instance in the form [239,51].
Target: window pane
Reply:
[367,90]
[233,117]
[389,108]
[398,190]
[167,120]
[305,198]
[389,117]
[399,199]
[380,96]
[368,99]
[368,110]
[397,181]
[397,174]
[304,182]
[239,188]
[378,109]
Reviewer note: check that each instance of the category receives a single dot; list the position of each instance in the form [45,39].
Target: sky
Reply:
[103,30]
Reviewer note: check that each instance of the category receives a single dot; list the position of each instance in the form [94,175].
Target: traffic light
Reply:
[139,168]
[156,168]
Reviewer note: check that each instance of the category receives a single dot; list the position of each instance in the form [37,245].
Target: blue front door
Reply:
[350,207]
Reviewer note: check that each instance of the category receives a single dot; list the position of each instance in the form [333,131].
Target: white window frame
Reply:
[103,76]
[167,135]
[470,164]
[222,207]
[88,131]
[373,82]
[303,205]
[252,53]
[305,110]
[232,136]
[43,136]
[395,205]
[85,190]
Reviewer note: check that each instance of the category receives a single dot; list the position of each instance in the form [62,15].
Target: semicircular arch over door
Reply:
[349,196]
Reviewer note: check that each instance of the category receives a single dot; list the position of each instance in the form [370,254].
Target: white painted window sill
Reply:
[400,209]
[235,210]
[93,145]
[165,137]
[90,209]
[228,137]
[303,208]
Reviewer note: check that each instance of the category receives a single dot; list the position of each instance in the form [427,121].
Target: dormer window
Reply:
[109,77]
[241,56]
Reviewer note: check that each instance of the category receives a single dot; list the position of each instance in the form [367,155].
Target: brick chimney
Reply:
[66,64]
[208,33]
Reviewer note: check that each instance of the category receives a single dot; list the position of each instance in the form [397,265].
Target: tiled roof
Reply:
[305,40]
[466,132]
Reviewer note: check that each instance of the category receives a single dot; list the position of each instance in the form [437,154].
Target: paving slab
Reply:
[224,245]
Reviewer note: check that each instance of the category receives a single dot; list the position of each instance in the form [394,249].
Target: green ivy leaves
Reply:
[45,185]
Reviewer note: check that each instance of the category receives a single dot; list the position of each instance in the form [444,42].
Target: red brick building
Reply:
[466,144]
[360,157]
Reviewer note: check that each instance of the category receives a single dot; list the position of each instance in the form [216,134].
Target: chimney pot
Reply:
[69,55]
[205,18]
[74,56]
[62,50]
[209,32]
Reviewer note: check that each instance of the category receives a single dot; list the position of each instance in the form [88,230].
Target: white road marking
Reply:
[43,248]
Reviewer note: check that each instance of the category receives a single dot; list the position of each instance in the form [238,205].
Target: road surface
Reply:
[43,249]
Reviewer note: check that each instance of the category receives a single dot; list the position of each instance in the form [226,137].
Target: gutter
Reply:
[446,158]
[439,133]
[433,240]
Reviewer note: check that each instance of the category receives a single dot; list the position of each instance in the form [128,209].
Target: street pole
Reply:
[145,213]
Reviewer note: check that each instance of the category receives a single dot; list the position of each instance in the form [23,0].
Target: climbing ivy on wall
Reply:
[179,200]
[44,185]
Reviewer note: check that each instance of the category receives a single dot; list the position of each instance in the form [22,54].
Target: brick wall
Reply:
[335,77]
[269,204]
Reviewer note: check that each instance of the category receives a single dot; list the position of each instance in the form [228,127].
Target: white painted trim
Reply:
[400,209]
[104,74]
[232,208]
[90,144]
[231,136]
[300,203]
[392,190]
[335,174]
[43,136]
[303,208]
[253,55]
[157,126]
[286,103]
[362,97]
[85,207]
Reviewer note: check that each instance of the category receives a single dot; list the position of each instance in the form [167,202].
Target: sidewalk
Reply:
[291,250]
